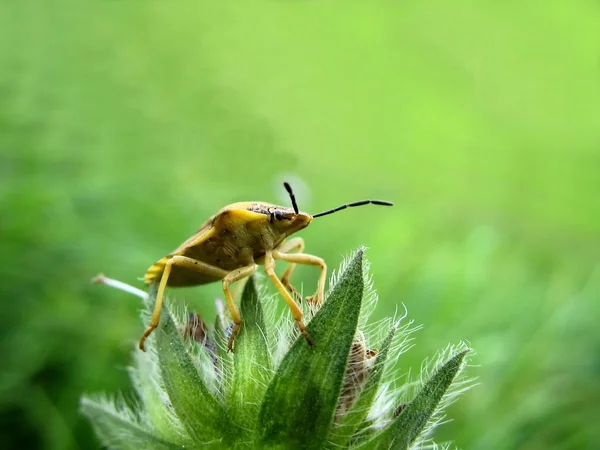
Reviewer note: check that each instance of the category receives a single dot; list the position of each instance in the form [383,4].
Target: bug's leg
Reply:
[303,258]
[296,311]
[293,244]
[232,277]
[239,288]
[181,261]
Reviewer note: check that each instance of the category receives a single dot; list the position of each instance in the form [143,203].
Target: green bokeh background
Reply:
[125,124]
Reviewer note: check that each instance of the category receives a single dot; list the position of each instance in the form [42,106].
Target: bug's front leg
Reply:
[296,311]
[296,244]
[303,258]
[181,261]
[232,277]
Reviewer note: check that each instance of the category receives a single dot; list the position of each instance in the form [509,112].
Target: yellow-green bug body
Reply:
[238,235]
[230,246]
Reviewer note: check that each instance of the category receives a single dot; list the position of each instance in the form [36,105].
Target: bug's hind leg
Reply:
[157,304]
[181,261]
[232,277]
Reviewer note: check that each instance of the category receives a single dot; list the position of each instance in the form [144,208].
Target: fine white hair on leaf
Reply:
[202,356]
[115,407]
[370,296]
[430,445]
[272,318]
[389,395]
[104,410]
[385,402]
[334,278]
[149,385]
[225,359]
[459,386]
[118,406]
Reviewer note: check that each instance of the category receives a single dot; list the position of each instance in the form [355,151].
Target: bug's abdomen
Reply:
[154,273]
[227,248]
[221,251]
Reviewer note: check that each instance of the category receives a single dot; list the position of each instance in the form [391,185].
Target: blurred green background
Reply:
[125,124]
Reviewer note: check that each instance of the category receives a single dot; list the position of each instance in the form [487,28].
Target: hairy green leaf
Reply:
[201,414]
[252,361]
[300,402]
[117,429]
[146,381]
[407,427]
[224,356]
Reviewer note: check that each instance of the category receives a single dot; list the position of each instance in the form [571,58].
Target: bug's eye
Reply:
[278,215]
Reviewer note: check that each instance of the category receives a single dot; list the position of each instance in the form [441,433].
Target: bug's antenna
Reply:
[350,205]
[288,188]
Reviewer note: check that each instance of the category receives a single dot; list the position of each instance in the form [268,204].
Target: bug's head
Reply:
[287,221]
